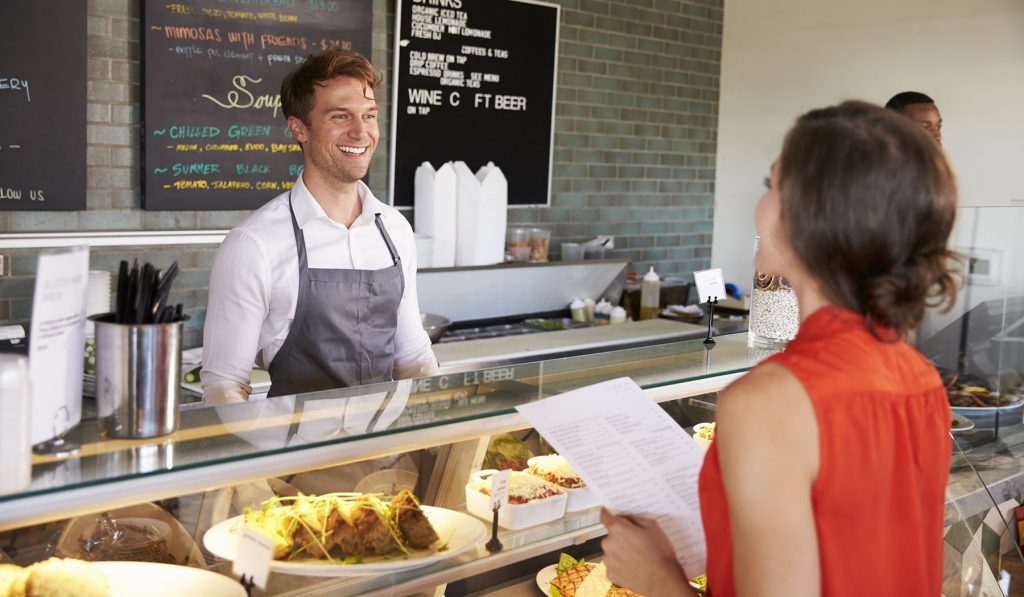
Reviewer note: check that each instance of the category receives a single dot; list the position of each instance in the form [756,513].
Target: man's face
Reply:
[927,117]
[342,133]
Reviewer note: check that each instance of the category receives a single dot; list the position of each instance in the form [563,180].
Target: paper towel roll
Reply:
[15,442]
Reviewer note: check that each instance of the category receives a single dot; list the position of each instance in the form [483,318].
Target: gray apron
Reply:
[343,333]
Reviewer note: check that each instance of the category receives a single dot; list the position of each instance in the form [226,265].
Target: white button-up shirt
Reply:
[254,286]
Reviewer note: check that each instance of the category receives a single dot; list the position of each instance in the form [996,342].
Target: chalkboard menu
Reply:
[42,105]
[215,137]
[475,82]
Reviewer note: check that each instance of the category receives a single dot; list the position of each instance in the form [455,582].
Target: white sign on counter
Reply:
[499,488]
[710,285]
[57,341]
[633,455]
[255,550]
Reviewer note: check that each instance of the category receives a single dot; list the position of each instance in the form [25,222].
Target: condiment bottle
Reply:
[650,295]
[618,315]
[589,306]
[602,312]
[578,309]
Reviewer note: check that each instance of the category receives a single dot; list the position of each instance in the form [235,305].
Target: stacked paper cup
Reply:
[15,444]
[97,300]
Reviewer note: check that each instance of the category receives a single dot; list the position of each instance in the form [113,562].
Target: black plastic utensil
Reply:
[122,291]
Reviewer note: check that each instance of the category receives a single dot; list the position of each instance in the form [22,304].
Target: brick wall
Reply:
[634,154]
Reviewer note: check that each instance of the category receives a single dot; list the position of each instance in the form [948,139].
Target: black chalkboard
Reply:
[215,137]
[475,81]
[42,105]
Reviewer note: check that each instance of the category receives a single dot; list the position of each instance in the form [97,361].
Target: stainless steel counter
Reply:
[529,347]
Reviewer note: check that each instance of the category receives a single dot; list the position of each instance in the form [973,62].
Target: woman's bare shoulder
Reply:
[768,409]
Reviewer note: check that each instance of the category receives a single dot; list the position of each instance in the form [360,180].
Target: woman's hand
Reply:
[640,557]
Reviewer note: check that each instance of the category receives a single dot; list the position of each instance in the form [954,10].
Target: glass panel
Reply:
[978,346]
[293,423]
[981,553]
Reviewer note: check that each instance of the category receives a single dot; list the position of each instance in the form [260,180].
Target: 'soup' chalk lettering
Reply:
[240,97]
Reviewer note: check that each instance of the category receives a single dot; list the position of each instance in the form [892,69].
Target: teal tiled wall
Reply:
[634,148]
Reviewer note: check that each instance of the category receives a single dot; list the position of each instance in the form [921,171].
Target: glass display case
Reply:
[427,435]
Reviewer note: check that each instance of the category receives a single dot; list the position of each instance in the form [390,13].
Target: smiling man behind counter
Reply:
[319,284]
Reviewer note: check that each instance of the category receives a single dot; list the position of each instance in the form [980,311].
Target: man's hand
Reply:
[640,557]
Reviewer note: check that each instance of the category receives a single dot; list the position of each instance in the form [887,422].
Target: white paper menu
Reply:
[56,341]
[629,451]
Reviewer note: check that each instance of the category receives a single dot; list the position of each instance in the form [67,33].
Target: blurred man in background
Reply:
[921,109]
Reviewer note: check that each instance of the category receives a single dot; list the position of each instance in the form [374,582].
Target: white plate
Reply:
[461,532]
[544,577]
[961,424]
[130,579]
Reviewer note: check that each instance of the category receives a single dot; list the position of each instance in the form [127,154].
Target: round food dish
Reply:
[130,579]
[984,417]
[544,577]
[458,532]
[961,424]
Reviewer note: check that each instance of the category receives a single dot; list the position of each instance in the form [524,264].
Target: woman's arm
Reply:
[767,442]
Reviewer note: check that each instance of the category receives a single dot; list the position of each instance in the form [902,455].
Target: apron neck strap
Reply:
[387,239]
[300,239]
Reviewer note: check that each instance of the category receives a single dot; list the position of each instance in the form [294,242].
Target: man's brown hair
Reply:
[298,88]
[868,203]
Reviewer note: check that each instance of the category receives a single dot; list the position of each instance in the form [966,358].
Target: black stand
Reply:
[494,545]
[248,583]
[709,342]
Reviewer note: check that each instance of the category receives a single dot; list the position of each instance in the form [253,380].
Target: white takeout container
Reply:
[513,516]
[701,441]
[579,498]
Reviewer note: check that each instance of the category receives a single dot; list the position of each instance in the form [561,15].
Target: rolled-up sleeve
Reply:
[238,305]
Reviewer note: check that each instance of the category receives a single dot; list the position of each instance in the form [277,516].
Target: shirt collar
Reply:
[307,209]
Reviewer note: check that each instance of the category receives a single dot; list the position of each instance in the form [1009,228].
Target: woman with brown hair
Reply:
[828,472]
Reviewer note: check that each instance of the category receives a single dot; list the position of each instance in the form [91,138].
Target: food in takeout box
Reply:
[556,469]
[347,524]
[531,500]
[54,577]
[704,434]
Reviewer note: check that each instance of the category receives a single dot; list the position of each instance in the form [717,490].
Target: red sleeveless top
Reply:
[883,424]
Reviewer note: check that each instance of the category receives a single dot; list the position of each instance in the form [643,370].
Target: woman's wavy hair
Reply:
[299,87]
[868,203]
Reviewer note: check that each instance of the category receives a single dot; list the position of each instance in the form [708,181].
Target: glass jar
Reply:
[774,313]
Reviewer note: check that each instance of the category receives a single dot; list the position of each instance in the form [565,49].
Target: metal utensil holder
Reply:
[138,377]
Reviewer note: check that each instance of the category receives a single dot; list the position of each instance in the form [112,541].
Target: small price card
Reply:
[255,551]
[499,488]
[710,285]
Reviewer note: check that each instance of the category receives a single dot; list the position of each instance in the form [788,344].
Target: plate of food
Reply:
[571,577]
[350,534]
[567,578]
[67,576]
[982,405]
[960,424]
